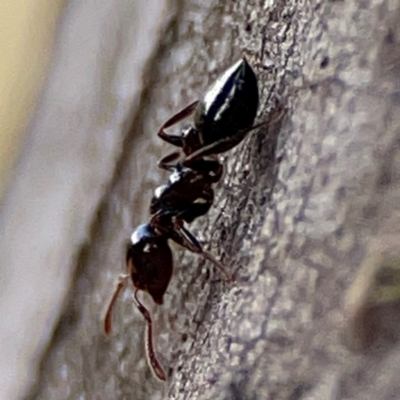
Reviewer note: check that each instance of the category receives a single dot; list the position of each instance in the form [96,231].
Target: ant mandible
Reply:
[222,119]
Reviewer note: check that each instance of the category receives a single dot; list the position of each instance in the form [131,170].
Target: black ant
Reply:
[221,121]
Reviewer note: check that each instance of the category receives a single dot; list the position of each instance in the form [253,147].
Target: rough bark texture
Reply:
[303,206]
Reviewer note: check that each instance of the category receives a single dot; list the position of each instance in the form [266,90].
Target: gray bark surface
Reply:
[305,204]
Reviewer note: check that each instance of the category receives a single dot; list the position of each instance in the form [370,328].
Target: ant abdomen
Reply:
[230,105]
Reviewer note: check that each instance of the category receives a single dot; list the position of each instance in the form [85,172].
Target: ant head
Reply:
[149,261]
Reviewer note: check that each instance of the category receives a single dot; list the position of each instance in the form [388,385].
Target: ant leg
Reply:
[150,353]
[181,115]
[121,282]
[174,230]
[165,162]
[228,143]
[220,146]
[214,168]
[189,241]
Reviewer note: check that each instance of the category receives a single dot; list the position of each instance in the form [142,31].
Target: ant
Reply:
[222,119]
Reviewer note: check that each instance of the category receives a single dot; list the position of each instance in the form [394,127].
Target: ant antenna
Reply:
[156,367]
[121,283]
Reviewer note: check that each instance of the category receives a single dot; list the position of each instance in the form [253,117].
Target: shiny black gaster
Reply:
[229,105]
[222,118]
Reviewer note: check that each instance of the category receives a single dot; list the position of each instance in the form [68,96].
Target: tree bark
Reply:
[305,205]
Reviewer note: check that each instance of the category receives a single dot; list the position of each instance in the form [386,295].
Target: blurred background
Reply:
[71,77]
